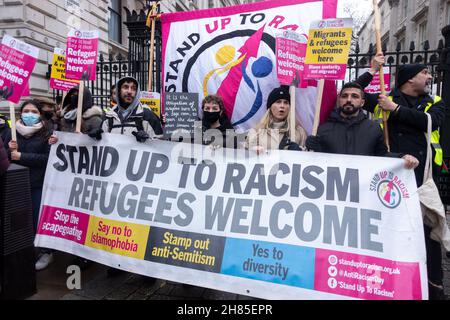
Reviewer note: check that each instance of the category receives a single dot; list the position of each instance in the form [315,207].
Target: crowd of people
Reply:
[348,130]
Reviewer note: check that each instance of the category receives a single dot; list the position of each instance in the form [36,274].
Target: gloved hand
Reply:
[313,143]
[95,134]
[141,135]
[287,144]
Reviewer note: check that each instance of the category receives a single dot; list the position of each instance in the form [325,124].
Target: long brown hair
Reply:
[46,131]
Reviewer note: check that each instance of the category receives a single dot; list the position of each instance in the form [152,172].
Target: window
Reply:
[115,21]
[402,44]
[422,32]
[211,4]
[405,9]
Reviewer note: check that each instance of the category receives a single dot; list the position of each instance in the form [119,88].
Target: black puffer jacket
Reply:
[408,125]
[356,136]
[34,155]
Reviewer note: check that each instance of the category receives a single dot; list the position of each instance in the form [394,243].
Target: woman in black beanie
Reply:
[272,132]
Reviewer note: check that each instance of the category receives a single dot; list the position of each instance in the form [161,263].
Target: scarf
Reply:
[71,115]
[26,131]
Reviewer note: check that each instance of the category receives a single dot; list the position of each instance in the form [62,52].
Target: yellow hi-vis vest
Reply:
[435,136]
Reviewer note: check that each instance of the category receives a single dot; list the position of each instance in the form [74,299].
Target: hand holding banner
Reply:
[17,61]
[81,54]
[376,12]
[327,54]
[81,62]
[328,49]
[58,80]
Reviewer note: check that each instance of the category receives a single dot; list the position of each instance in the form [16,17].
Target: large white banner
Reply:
[284,225]
[231,52]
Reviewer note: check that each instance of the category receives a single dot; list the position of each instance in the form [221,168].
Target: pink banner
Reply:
[325,71]
[290,59]
[63,223]
[375,85]
[17,61]
[366,277]
[81,55]
[62,85]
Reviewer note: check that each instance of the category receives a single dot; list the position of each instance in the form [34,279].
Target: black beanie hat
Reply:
[278,93]
[408,71]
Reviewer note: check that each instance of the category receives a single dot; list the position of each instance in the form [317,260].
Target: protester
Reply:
[214,117]
[31,150]
[4,162]
[4,126]
[406,106]
[129,117]
[273,130]
[92,116]
[49,112]
[112,98]
[349,131]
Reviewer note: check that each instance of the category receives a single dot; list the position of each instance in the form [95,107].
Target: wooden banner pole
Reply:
[382,85]
[80,107]
[318,107]
[12,117]
[152,46]
[292,91]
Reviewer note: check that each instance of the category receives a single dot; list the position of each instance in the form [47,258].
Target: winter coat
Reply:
[140,119]
[270,139]
[407,127]
[4,163]
[92,115]
[354,136]
[92,119]
[137,117]
[34,155]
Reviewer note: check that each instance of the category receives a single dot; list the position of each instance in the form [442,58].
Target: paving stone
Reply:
[101,286]
[122,292]
[73,297]
[218,295]
[188,292]
[161,297]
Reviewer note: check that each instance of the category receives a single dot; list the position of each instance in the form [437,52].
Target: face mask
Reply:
[30,119]
[48,115]
[74,101]
[211,117]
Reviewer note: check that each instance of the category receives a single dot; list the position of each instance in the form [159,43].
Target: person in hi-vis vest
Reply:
[407,124]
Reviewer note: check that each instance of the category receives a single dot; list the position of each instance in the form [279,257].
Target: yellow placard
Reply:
[59,68]
[125,239]
[152,100]
[328,46]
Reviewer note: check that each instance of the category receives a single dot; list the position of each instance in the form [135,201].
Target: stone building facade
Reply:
[45,24]
[404,21]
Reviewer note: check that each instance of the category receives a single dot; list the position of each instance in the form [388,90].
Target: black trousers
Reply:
[434,258]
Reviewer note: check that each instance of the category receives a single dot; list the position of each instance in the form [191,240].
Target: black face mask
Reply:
[48,115]
[211,117]
[74,101]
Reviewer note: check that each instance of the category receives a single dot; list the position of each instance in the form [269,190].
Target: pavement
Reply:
[96,285]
